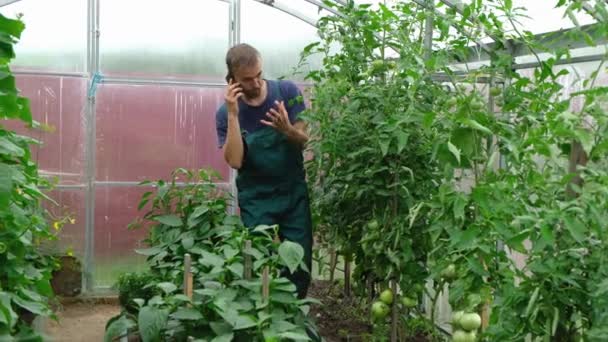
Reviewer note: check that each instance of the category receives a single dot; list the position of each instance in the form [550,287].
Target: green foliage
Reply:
[372,165]
[405,169]
[192,218]
[135,285]
[24,272]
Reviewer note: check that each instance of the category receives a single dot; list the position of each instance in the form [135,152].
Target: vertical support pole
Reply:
[395,313]
[577,157]
[89,150]
[188,281]
[347,275]
[266,284]
[234,28]
[333,261]
[247,265]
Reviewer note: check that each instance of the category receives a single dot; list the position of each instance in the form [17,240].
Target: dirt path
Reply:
[80,321]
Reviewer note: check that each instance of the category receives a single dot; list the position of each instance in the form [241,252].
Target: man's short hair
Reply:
[240,55]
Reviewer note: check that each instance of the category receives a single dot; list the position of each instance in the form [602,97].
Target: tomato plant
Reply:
[373,165]
[405,170]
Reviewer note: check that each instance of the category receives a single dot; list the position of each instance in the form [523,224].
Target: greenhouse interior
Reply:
[428,170]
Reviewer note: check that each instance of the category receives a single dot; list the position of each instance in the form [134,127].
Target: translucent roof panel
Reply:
[48,42]
[304,10]
[280,40]
[542,16]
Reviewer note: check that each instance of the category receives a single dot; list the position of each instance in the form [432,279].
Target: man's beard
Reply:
[252,94]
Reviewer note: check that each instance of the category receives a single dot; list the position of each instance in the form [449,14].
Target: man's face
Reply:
[250,79]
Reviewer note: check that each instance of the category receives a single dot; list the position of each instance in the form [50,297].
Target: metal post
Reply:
[235,38]
[89,122]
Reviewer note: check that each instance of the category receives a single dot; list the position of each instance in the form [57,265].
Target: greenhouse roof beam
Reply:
[551,40]
[591,11]
[7,2]
[323,6]
[573,60]
[289,11]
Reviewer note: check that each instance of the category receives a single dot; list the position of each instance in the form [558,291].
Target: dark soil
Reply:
[341,319]
[336,317]
[67,281]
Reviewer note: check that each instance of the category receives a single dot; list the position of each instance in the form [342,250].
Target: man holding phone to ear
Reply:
[261,137]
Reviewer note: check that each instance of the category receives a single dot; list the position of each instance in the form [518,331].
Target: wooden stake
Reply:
[347,276]
[247,265]
[485,316]
[577,157]
[370,288]
[395,313]
[333,261]
[266,284]
[188,275]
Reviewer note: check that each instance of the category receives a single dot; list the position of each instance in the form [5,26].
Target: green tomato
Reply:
[451,101]
[470,321]
[373,225]
[464,336]
[387,297]
[379,310]
[2,247]
[495,91]
[477,105]
[417,288]
[378,63]
[470,336]
[377,66]
[456,317]
[449,273]
[409,302]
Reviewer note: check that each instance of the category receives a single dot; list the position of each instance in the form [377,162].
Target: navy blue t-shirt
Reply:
[250,116]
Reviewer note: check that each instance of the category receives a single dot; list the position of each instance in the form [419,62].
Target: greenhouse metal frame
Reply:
[94,78]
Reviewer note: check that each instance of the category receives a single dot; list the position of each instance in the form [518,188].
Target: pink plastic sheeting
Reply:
[145,132]
[115,209]
[58,102]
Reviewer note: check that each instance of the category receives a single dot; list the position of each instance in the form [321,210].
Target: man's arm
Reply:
[233,148]
[279,120]
[298,135]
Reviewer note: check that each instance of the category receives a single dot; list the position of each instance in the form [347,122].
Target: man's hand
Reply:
[233,148]
[233,93]
[279,120]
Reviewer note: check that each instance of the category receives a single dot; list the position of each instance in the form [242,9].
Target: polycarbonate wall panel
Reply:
[115,208]
[57,102]
[55,35]
[145,132]
[175,39]
[279,37]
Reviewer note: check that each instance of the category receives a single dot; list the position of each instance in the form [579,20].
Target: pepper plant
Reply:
[191,217]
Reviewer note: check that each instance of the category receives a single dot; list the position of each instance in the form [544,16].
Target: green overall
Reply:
[272,190]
